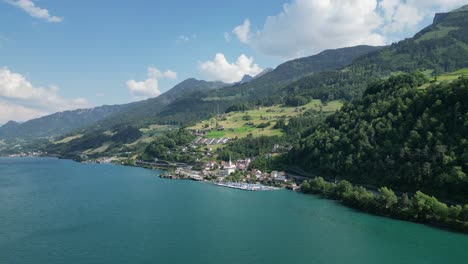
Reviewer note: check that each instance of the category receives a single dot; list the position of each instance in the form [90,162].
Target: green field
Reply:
[68,139]
[453,75]
[435,34]
[446,77]
[236,124]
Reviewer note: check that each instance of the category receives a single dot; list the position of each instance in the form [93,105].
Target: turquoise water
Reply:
[57,211]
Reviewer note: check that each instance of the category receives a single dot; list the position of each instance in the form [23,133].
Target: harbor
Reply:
[246,186]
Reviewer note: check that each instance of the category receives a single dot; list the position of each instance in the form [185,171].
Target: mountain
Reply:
[57,124]
[246,78]
[143,112]
[292,70]
[265,71]
[399,134]
[199,106]
[440,47]
[61,123]
[9,125]
[196,99]
[341,74]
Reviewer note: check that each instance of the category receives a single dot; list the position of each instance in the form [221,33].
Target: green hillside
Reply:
[396,135]
[199,104]
[260,121]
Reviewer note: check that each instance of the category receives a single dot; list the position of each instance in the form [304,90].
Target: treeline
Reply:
[397,135]
[419,208]
[250,147]
[171,146]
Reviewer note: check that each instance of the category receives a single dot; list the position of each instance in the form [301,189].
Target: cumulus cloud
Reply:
[221,70]
[20,95]
[149,87]
[18,112]
[243,31]
[29,7]
[310,26]
[401,15]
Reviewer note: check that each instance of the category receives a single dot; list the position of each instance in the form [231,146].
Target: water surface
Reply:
[57,211]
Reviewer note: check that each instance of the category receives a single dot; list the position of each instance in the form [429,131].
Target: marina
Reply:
[246,186]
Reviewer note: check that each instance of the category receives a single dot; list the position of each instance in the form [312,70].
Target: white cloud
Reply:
[402,15]
[154,73]
[227,37]
[18,112]
[310,26]
[185,38]
[182,38]
[243,31]
[221,70]
[29,7]
[149,87]
[144,89]
[19,94]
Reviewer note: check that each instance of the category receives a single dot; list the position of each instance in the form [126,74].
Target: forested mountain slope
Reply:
[397,135]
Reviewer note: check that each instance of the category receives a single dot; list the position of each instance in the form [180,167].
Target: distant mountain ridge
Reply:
[58,123]
[61,123]
[9,125]
[143,112]
[193,99]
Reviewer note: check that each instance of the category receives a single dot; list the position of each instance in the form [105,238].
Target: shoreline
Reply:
[320,195]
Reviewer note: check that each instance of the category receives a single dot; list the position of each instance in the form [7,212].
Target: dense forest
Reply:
[399,135]
[169,147]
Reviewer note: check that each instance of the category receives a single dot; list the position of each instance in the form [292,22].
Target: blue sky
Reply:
[58,55]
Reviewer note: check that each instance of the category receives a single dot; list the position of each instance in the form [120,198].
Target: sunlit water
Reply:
[57,211]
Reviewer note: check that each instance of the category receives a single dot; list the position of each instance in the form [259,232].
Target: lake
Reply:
[58,211]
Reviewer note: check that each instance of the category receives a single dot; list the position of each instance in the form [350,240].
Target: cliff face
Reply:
[439,17]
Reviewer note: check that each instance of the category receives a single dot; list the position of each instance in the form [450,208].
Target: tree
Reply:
[454,212]
[387,198]
[405,202]
[305,186]
[343,189]
[465,213]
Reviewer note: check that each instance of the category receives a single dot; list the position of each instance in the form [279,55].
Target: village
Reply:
[235,175]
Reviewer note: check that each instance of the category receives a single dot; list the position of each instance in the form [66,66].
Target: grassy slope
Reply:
[235,125]
[148,134]
[446,77]
[68,139]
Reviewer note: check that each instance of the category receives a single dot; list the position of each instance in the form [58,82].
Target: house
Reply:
[210,165]
[276,148]
[278,176]
[257,173]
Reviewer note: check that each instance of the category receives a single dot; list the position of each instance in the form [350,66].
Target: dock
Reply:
[246,186]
